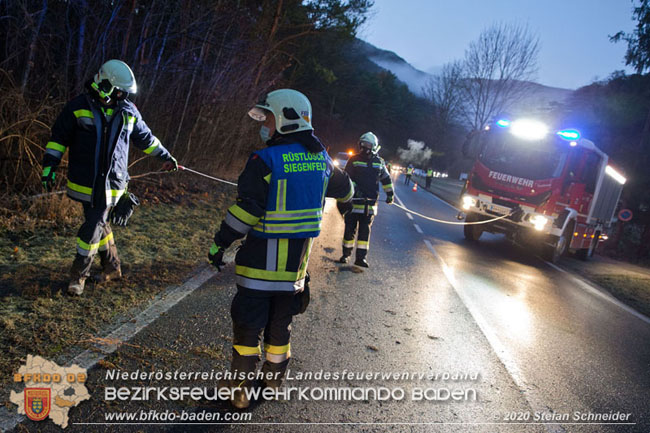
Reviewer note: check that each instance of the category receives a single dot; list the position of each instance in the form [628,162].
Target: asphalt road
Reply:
[522,335]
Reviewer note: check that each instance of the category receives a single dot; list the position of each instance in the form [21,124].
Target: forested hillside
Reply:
[199,65]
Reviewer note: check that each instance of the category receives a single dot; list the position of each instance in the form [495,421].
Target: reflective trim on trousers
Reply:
[271,286]
[348,243]
[247,350]
[86,249]
[105,243]
[277,354]
[362,245]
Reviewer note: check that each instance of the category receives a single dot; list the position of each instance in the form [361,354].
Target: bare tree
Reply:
[443,91]
[496,68]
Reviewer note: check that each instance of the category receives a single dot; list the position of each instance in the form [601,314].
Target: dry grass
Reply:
[167,237]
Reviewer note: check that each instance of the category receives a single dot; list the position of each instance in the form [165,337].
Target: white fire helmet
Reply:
[369,141]
[114,74]
[292,110]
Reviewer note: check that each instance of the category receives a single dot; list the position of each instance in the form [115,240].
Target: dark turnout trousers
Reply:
[95,235]
[264,317]
[363,222]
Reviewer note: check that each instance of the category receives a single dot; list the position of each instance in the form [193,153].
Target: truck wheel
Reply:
[552,253]
[473,231]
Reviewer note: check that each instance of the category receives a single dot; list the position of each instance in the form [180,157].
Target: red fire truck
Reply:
[557,189]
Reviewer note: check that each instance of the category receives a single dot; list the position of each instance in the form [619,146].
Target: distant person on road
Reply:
[279,209]
[409,173]
[429,177]
[97,127]
[366,169]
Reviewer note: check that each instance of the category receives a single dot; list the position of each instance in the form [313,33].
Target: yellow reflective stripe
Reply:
[283,254]
[347,197]
[277,350]
[153,147]
[362,242]
[80,188]
[275,212]
[281,198]
[305,260]
[87,247]
[106,240]
[114,192]
[247,350]
[83,113]
[242,215]
[55,146]
[130,119]
[262,274]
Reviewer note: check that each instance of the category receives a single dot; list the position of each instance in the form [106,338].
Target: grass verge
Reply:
[167,237]
[633,291]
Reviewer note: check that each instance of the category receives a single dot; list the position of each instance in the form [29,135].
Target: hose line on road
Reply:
[459,223]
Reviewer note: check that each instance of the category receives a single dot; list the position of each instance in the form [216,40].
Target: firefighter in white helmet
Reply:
[97,128]
[279,210]
[367,170]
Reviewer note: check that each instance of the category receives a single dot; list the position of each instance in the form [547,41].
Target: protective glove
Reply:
[389,198]
[215,256]
[124,209]
[170,165]
[47,178]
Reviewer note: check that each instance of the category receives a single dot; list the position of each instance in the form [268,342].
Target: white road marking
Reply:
[595,291]
[418,229]
[508,361]
[528,391]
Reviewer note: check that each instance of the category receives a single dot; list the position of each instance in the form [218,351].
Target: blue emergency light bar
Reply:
[503,123]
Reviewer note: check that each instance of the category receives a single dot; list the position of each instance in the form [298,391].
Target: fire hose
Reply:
[405,209]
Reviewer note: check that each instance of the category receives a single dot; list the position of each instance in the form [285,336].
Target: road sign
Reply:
[625,215]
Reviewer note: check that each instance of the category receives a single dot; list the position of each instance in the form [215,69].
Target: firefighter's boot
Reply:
[347,252]
[239,398]
[274,373]
[109,275]
[111,269]
[76,286]
[361,261]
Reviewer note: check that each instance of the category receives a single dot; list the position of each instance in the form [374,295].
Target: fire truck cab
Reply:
[553,188]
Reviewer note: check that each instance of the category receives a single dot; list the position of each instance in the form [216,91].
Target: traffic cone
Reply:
[415,187]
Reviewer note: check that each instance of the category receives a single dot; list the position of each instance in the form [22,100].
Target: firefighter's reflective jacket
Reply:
[409,170]
[429,173]
[99,148]
[281,194]
[366,172]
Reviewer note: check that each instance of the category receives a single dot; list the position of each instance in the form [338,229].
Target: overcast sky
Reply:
[574,34]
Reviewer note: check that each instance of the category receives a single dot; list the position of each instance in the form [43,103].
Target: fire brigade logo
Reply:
[37,403]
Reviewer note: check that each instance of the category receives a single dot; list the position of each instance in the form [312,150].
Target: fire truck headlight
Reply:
[528,129]
[468,202]
[336,162]
[539,221]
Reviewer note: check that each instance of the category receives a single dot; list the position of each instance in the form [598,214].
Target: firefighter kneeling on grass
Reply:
[281,194]
[366,169]
[97,127]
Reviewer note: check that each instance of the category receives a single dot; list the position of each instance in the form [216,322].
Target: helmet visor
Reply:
[256,113]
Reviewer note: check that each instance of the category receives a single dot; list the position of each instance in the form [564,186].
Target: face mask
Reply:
[265,133]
